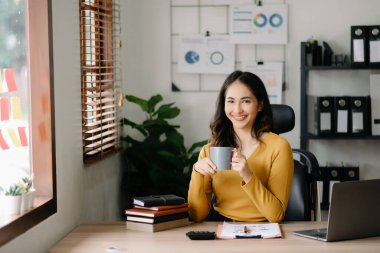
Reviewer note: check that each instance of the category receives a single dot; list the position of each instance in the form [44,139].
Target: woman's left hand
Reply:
[239,164]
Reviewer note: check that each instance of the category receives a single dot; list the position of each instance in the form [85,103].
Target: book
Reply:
[158,200]
[248,230]
[160,219]
[154,213]
[160,208]
[146,227]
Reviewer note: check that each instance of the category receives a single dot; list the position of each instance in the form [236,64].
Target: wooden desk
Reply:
[102,237]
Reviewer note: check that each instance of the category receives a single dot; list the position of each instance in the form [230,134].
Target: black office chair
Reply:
[303,201]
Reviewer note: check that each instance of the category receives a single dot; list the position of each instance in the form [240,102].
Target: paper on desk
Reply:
[266,230]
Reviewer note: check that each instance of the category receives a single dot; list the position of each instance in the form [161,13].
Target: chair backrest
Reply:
[305,169]
[283,118]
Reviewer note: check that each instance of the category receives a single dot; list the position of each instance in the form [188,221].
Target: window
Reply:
[100,46]
[26,112]
[14,118]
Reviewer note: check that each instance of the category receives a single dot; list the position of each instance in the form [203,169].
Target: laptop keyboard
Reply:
[321,233]
[313,233]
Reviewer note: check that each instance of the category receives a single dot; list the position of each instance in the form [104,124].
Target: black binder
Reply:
[360,113]
[350,173]
[321,115]
[333,174]
[374,45]
[329,176]
[342,116]
[359,45]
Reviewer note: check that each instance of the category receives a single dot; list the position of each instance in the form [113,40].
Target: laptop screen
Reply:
[354,210]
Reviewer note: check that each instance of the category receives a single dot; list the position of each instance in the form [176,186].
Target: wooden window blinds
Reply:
[100,58]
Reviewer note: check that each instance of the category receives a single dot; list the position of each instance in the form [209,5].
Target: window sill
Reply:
[38,202]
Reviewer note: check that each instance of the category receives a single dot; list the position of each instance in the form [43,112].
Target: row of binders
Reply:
[346,115]
[339,116]
[340,173]
[334,174]
[365,45]
[157,213]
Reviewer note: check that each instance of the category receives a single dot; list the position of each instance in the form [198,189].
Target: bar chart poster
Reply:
[206,55]
[252,24]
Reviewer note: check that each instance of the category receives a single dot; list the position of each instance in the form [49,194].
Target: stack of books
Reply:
[157,213]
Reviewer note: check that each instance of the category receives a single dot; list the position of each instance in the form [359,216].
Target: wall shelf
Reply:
[305,69]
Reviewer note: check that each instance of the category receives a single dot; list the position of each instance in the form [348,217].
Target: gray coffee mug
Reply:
[221,157]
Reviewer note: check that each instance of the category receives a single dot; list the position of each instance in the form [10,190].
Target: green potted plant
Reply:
[11,200]
[13,190]
[158,162]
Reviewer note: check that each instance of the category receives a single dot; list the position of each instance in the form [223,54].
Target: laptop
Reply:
[354,212]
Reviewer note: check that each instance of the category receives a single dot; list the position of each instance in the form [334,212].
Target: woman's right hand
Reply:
[205,166]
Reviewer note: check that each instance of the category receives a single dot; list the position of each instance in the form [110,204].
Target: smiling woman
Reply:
[27,152]
[257,186]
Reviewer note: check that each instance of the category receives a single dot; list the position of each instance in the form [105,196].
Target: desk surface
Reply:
[113,237]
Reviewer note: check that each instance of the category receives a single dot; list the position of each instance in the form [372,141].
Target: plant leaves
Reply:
[166,154]
[155,128]
[139,101]
[125,121]
[163,108]
[159,163]
[197,145]
[177,139]
[153,101]
[167,112]
[131,141]
[13,190]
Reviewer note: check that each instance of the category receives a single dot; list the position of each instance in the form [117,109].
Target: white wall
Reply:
[85,193]
[147,64]
[89,193]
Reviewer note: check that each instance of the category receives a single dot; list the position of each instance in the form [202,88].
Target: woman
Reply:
[258,185]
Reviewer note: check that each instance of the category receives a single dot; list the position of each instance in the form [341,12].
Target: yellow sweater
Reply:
[263,198]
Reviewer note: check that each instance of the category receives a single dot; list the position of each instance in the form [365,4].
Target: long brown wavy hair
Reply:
[222,131]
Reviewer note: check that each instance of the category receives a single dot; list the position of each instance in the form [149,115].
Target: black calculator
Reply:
[201,235]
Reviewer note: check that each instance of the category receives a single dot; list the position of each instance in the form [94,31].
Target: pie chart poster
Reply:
[252,24]
[206,55]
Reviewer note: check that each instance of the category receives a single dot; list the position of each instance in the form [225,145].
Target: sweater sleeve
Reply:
[200,191]
[271,199]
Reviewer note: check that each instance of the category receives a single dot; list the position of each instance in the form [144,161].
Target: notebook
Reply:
[354,212]
[155,200]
